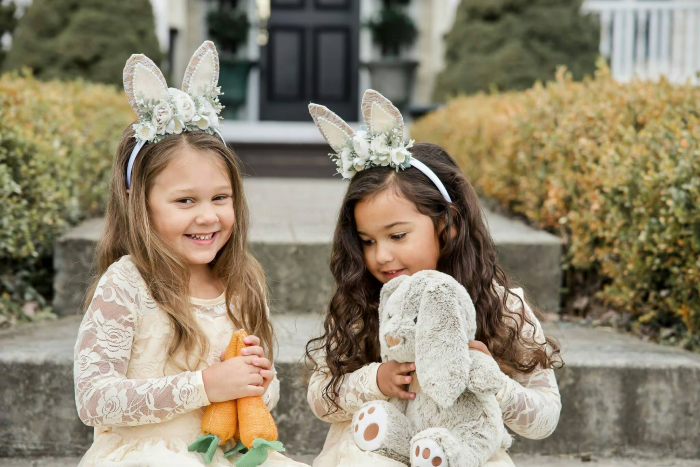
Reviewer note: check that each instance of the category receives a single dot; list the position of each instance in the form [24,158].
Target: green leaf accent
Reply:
[239,447]
[259,452]
[206,444]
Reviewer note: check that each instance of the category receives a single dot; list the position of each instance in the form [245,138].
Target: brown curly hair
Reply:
[351,328]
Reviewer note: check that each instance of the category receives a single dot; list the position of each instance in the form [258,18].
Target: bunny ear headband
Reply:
[381,145]
[167,111]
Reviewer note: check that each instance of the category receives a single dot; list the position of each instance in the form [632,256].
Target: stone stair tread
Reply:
[582,346]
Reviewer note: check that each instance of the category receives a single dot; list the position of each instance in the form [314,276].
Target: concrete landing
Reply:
[292,222]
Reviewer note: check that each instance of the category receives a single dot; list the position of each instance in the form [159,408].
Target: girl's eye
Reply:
[398,236]
[221,197]
[367,242]
[185,201]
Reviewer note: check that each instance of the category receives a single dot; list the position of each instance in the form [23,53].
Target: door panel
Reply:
[312,55]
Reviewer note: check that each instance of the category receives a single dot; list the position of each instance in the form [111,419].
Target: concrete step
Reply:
[291,230]
[621,396]
[521,460]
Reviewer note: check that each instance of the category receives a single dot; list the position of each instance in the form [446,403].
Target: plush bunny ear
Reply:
[380,114]
[442,339]
[387,290]
[333,128]
[143,78]
[203,70]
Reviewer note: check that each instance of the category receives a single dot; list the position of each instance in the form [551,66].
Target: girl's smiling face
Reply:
[191,205]
[396,238]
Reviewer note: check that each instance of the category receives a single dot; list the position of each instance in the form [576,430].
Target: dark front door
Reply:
[312,56]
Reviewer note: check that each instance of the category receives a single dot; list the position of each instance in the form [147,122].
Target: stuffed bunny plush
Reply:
[429,318]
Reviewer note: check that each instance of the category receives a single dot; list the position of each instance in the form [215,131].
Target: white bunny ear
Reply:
[443,332]
[203,70]
[333,128]
[380,114]
[143,78]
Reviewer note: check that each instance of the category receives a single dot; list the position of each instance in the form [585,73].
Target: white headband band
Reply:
[431,175]
[137,149]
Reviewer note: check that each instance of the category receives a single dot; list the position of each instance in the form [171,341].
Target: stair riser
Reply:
[613,411]
[299,275]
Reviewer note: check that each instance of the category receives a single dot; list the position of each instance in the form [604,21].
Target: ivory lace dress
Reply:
[144,408]
[530,404]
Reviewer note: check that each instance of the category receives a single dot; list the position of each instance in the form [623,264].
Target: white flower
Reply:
[210,114]
[175,126]
[162,114]
[186,394]
[380,144]
[347,160]
[400,155]
[358,164]
[111,406]
[201,122]
[145,131]
[184,104]
[361,145]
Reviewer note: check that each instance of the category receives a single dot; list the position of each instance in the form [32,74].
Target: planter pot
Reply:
[393,78]
[233,79]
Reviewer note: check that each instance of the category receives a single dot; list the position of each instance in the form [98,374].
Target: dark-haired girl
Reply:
[395,222]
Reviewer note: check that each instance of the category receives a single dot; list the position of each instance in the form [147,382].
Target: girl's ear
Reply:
[380,115]
[333,128]
[442,339]
[143,80]
[202,71]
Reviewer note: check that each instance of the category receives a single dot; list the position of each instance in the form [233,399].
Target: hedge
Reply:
[57,140]
[612,168]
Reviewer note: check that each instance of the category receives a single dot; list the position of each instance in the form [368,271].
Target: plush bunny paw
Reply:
[370,427]
[427,453]
[380,427]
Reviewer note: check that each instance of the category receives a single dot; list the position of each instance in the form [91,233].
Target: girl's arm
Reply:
[530,402]
[355,389]
[103,394]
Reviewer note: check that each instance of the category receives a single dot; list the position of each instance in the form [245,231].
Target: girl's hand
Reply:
[235,378]
[254,349]
[392,379]
[480,346]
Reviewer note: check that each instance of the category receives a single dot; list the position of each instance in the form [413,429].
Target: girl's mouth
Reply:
[203,239]
[394,273]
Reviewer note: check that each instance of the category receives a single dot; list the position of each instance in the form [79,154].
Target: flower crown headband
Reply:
[164,111]
[380,146]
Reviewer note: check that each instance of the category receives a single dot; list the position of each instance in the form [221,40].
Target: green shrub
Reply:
[57,141]
[613,169]
[88,39]
[510,44]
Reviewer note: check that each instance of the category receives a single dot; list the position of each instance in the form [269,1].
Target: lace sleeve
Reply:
[356,388]
[272,394]
[104,395]
[530,402]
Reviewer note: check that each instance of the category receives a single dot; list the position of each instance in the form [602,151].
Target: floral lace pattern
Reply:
[356,388]
[530,402]
[122,374]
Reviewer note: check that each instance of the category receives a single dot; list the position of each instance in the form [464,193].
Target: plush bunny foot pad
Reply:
[370,427]
[427,453]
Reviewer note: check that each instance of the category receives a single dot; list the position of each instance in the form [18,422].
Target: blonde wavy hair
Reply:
[129,231]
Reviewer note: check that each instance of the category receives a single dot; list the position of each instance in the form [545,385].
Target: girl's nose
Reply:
[207,216]
[383,254]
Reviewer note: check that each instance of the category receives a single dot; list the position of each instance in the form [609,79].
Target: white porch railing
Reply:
[649,38]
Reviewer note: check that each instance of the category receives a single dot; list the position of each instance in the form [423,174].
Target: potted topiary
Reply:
[228,28]
[393,30]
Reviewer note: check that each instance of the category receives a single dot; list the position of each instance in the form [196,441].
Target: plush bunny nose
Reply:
[392,341]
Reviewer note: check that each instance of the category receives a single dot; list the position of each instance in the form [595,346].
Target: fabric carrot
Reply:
[246,419]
